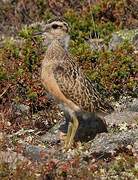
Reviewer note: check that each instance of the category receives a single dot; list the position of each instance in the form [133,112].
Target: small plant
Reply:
[31,95]
[26,32]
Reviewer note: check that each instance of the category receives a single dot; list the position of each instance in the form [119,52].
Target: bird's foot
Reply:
[72,128]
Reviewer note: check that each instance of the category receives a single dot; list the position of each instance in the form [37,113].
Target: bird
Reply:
[66,82]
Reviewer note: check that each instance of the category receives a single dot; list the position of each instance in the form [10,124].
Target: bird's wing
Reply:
[51,82]
[77,88]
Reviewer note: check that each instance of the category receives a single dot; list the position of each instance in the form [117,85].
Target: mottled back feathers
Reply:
[72,81]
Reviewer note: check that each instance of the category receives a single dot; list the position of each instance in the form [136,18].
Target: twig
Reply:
[5,90]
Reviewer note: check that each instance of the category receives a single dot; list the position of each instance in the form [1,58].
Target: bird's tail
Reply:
[104,108]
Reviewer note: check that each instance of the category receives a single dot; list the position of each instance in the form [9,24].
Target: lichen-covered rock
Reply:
[123,35]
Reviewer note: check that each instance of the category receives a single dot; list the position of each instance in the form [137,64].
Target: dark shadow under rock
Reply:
[89,125]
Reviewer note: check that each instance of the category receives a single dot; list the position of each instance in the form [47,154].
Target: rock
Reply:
[126,103]
[107,143]
[101,145]
[36,153]
[89,126]
[104,145]
[52,136]
[123,35]
[126,111]
[117,118]
[115,41]
[20,108]
[11,157]
[134,105]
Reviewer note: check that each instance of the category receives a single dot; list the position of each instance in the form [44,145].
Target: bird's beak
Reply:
[38,33]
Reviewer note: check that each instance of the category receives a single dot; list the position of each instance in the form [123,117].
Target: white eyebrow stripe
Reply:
[57,22]
[60,23]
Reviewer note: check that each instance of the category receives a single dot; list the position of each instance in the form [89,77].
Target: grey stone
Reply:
[20,108]
[107,143]
[115,41]
[123,35]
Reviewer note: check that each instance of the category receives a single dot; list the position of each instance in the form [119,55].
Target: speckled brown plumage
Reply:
[66,82]
[71,80]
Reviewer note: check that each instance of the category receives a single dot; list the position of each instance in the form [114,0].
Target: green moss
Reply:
[114,70]
[4,170]
[88,24]
[26,32]
[20,72]
[31,95]
[3,74]
[15,52]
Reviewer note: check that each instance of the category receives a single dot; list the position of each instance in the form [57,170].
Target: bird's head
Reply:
[56,29]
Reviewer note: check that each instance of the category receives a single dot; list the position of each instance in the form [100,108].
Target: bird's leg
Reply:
[71,131]
[68,134]
[75,125]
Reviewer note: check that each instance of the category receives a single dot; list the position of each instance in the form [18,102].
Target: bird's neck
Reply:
[64,42]
[56,49]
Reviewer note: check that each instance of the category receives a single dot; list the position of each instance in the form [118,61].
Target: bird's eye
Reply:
[54,26]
